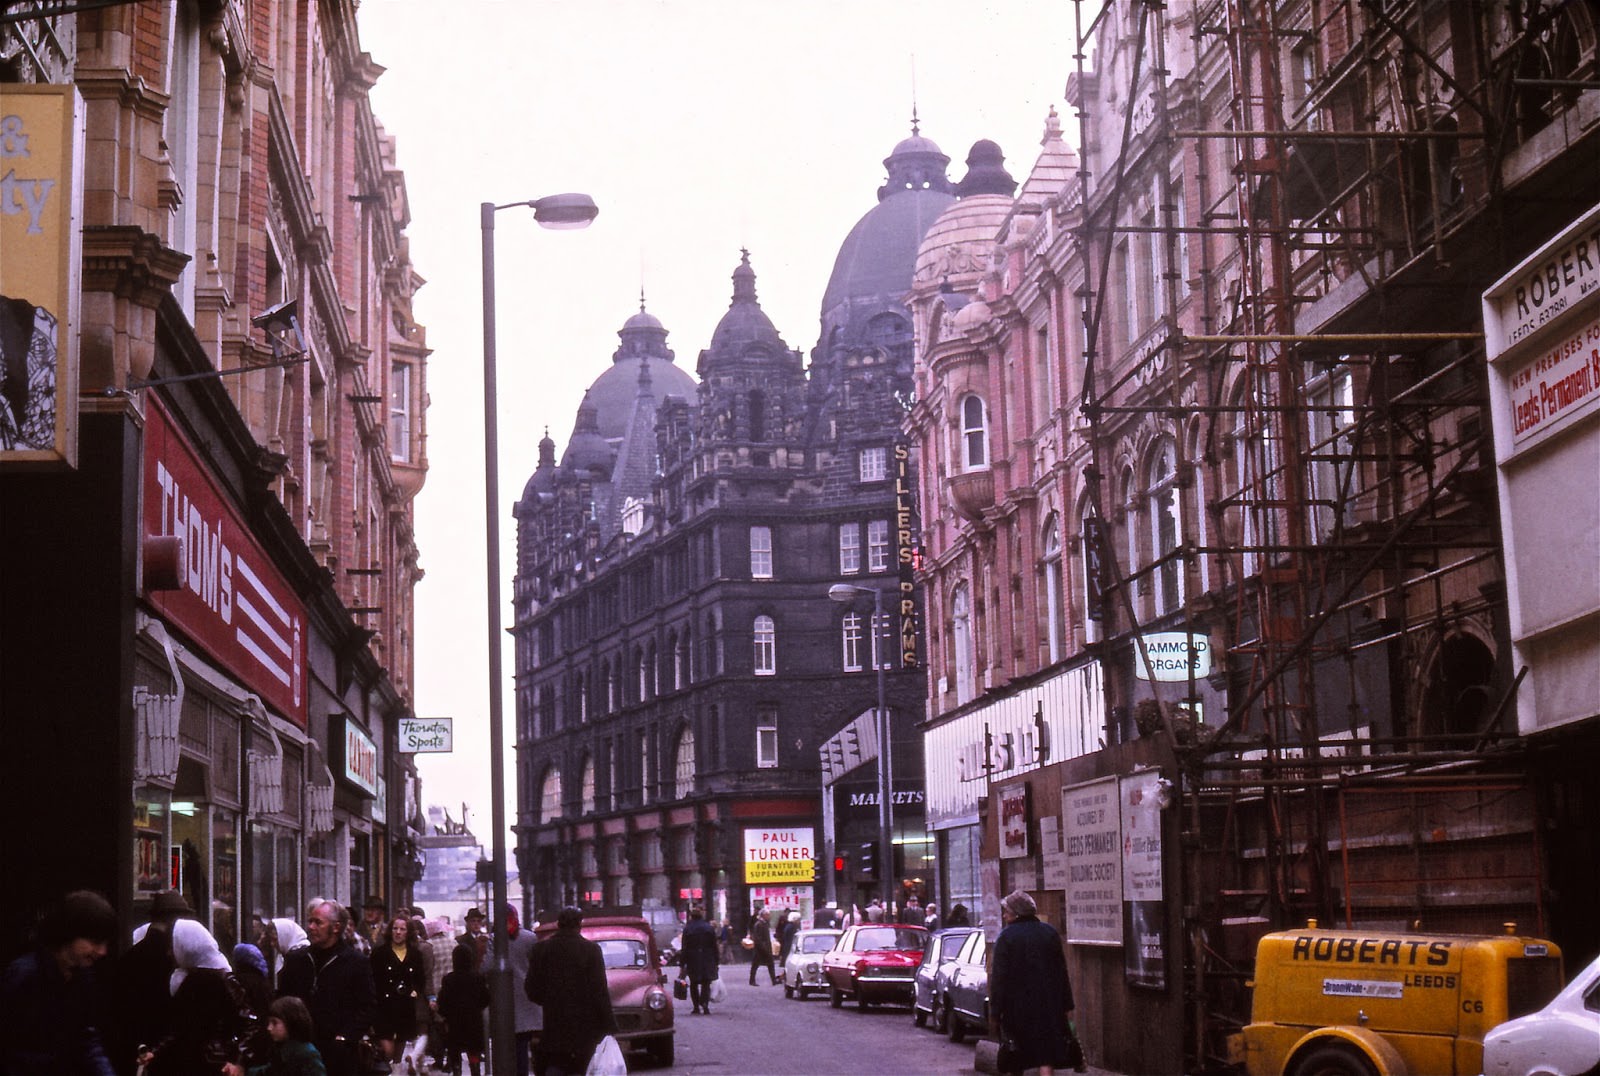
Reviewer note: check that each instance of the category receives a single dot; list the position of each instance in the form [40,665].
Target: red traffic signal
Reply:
[838,864]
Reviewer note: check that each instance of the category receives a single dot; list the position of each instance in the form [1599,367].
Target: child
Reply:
[289,1025]
[463,996]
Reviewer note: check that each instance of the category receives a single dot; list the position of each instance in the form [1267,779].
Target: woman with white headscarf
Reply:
[281,936]
[210,1015]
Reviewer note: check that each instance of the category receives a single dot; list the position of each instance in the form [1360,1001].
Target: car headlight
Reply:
[656,1000]
[812,968]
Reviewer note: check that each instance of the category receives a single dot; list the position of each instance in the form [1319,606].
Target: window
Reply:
[849,548]
[586,786]
[1330,414]
[645,776]
[766,646]
[760,552]
[683,766]
[609,671]
[974,435]
[758,415]
[676,646]
[1165,517]
[766,736]
[878,545]
[851,634]
[1053,605]
[581,693]
[643,664]
[961,635]
[880,630]
[550,795]
[400,411]
[874,464]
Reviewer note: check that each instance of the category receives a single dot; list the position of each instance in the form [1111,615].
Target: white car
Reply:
[802,972]
[1561,1039]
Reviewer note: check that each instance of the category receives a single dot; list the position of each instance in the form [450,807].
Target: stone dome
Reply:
[587,448]
[958,246]
[745,327]
[612,394]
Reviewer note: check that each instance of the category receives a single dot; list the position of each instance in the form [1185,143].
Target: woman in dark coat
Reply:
[700,959]
[1030,996]
[399,978]
[210,1014]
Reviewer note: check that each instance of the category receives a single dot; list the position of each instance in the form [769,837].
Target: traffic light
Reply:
[838,865]
[867,860]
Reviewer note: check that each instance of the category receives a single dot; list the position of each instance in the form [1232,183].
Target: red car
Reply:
[874,962]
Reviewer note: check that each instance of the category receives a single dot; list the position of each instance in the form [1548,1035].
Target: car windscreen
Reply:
[888,938]
[817,943]
[624,953]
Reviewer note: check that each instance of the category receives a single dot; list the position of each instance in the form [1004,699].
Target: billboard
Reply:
[779,855]
[41,168]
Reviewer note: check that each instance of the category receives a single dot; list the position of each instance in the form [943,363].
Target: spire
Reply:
[1052,128]
[744,280]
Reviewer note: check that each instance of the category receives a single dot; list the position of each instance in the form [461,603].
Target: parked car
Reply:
[963,986]
[802,972]
[942,948]
[640,997]
[1563,1037]
[874,962]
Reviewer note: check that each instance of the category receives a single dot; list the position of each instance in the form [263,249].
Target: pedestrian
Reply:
[930,918]
[285,936]
[211,1017]
[761,948]
[463,997]
[527,1016]
[912,912]
[786,931]
[291,1052]
[144,1004]
[48,1020]
[958,916]
[335,982]
[250,968]
[567,976]
[441,945]
[724,941]
[1030,995]
[875,911]
[374,923]
[476,936]
[398,980]
[699,959]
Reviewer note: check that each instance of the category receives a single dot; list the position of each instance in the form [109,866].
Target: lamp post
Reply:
[554,211]
[846,593]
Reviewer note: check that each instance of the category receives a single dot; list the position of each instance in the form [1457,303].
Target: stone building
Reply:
[206,612]
[684,684]
[1230,509]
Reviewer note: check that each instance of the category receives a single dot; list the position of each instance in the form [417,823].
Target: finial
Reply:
[1052,127]
[641,298]
[916,125]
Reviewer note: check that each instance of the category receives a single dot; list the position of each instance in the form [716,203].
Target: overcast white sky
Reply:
[699,127]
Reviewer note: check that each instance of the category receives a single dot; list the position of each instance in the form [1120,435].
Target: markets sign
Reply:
[427,735]
[1173,656]
[779,856]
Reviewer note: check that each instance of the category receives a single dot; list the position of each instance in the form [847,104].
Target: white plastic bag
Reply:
[607,1059]
[718,991]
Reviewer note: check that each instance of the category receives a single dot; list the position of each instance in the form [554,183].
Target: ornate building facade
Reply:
[1220,480]
[207,610]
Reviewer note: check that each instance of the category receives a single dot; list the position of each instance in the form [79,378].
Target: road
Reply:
[757,1031]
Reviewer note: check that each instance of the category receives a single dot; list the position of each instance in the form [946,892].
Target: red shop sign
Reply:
[232,602]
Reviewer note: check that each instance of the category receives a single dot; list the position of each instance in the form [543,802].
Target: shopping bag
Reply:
[748,942]
[718,991]
[607,1060]
[680,989]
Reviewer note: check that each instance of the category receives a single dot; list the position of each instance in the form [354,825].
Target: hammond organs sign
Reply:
[1542,336]
[228,597]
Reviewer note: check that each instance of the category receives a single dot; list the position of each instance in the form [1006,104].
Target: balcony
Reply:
[971,493]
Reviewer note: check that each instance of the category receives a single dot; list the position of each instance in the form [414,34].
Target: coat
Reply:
[336,985]
[207,1022]
[700,956]
[567,976]
[397,985]
[462,998]
[1030,994]
[761,934]
[526,1016]
[291,1058]
[47,1023]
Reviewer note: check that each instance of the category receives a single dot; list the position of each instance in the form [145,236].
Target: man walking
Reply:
[528,1018]
[335,982]
[761,951]
[699,959]
[567,978]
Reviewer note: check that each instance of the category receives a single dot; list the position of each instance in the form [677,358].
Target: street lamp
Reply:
[846,593]
[554,211]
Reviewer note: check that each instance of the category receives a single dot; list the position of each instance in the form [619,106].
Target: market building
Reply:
[1247,601]
[684,684]
[208,471]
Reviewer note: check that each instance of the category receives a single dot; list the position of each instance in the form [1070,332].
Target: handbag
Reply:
[1006,1061]
[777,947]
[680,989]
[748,942]
[1075,1058]
[607,1060]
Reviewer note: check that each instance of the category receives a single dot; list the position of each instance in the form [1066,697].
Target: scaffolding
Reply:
[1317,245]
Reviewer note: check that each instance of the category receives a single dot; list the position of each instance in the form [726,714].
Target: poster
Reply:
[1091,832]
[1143,796]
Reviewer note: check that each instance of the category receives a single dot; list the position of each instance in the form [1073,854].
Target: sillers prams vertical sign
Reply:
[906,553]
[229,599]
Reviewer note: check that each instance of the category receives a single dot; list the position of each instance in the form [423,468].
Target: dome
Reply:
[745,325]
[970,315]
[643,341]
[587,448]
[543,479]
[959,243]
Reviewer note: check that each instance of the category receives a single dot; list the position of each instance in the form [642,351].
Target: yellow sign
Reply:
[793,870]
[41,165]
[779,855]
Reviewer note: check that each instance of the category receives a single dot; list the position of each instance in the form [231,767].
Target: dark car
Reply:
[942,948]
[639,995]
[963,989]
[874,962]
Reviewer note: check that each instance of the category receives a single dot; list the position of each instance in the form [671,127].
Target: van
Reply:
[1377,1003]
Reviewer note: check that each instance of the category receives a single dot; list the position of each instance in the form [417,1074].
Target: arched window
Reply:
[1054,603]
[683,765]
[675,648]
[1089,570]
[850,631]
[1165,519]
[765,634]
[586,786]
[1457,695]
[652,669]
[550,795]
[1330,416]
[974,434]
[640,664]
[580,689]
[961,631]
[609,671]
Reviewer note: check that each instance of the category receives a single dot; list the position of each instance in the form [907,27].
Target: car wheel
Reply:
[788,991]
[835,996]
[1331,1061]
[801,992]
[862,1001]
[956,1029]
[939,1019]
[918,1016]
[660,1050]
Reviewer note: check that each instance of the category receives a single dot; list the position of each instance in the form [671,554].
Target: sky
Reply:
[699,127]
